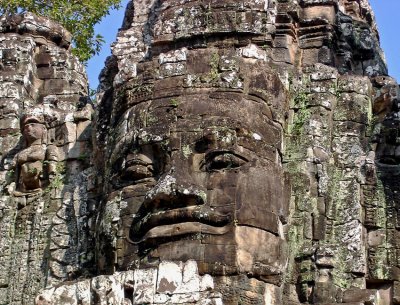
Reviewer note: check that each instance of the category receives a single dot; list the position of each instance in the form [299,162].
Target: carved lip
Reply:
[181,221]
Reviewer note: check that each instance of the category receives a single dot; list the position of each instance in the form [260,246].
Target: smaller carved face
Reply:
[33,131]
[9,60]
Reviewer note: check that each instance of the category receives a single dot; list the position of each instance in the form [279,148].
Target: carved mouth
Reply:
[181,221]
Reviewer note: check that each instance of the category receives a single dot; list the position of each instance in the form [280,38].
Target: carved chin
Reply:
[259,252]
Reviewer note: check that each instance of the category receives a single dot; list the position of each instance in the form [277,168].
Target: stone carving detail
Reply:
[36,162]
[187,179]
[244,152]
[310,189]
[44,134]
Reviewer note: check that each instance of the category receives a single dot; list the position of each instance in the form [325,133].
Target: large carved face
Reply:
[199,177]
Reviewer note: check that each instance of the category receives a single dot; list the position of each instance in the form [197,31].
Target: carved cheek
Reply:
[259,198]
[34,131]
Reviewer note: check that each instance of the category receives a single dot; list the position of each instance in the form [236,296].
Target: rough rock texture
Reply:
[252,137]
[177,283]
[245,152]
[45,148]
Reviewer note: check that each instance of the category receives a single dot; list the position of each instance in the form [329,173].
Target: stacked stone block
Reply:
[43,229]
[309,191]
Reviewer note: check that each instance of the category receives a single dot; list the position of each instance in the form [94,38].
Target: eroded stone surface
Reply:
[244,152]
[44,199]
[314,69]
[170,283]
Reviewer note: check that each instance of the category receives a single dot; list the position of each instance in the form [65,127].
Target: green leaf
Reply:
[77,16]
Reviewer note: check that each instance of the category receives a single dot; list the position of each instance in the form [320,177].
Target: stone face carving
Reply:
[30,160]
[184,164]
[238,136]
[244,152]
[45,151]
[191,177]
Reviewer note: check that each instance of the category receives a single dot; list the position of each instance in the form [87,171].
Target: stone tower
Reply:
[244,152]
[45,150]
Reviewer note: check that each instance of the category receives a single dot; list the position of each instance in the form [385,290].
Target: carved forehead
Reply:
[31,120]
[199,111]
[198,114]
[220,73]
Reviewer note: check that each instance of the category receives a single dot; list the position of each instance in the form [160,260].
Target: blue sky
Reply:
[108,28]
[387,18]
[386,13]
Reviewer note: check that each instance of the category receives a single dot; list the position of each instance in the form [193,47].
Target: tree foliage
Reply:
[77,16]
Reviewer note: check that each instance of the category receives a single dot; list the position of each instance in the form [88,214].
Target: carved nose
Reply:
[168,194]
[168,203]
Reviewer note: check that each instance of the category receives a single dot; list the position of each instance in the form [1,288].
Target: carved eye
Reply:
[220,160]
[137,166]
[131,169]
[137,169]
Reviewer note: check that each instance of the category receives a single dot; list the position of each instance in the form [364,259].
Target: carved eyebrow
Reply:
[202,144]
[120,147]
[218,152]
[131,144]
[210,158]
[139,158]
